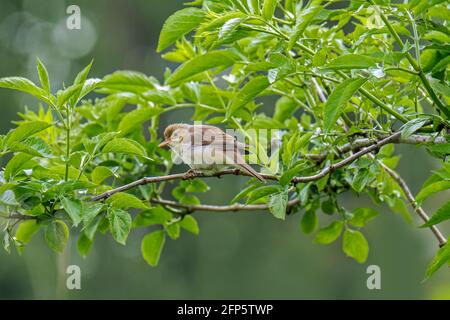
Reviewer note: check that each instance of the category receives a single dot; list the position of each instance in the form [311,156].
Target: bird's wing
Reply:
[204,135]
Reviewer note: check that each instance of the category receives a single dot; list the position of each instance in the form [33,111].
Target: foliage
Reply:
[341,72]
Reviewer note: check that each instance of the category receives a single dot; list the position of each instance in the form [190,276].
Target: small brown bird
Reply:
[207,149]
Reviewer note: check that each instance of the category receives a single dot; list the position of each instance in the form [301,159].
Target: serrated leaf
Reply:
[15,165]
[74,209]
[124,145]
[277,204]
[33,146]
[351,61]
[361,216]
[329,233]
[303,20]
[25,130]
[133,120]
[250,91]
[441,257]
[355,245]
[56,235]
[179,24]
[43,76]
[442,214]
[157,215]
[338,99]
[200,64]
[129,81]
[152,246]
[90,211]
[25,85]
[119,224]
[431,189]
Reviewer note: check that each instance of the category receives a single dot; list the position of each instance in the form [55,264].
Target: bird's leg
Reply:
[191,173]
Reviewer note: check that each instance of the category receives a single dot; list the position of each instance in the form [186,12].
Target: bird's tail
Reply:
[247,168]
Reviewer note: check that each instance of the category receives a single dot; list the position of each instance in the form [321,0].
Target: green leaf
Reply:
[119,224]
[56,235]
[262,192]
[361,179]
[15,165]
[330,233]
[284,108]
[64,95]
[309,222]
[197,186]
[303,21]
[441,257]
[179,24]
[413,125]
[124,145]
[129,81]
[277,204]
[350,61]
[431,189]
[243,193]
[74,209]
[355,245]
[189,224]
[25,130]
[83,74]
[124,200]
[440,87]
[43,76]
[157,215]
[133,120]
[90,211]
[251,89]
[442,214]
[24,85]
[26,230]
[268,9]
[152,245]
[100,173]
[33,146]
[361,216]
[338,99]
[200,64]
[173,230]
[84,245]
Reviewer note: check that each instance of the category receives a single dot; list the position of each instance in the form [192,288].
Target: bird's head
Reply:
[176,134]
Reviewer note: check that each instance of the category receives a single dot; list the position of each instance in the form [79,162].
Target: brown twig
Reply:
[412,201]
[215,208]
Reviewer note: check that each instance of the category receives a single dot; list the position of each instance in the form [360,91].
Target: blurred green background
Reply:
[236,255]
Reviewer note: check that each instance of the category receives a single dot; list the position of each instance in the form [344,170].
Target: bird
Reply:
[207,149]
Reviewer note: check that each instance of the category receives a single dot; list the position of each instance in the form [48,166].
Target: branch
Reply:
[177,176]
[230,208]
[364,142]
[417,208]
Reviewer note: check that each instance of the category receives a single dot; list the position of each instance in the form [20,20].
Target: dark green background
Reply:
[236,255]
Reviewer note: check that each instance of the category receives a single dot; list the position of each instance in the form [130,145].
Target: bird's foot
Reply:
[191,173]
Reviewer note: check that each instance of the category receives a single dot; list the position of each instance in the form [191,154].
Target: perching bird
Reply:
[207,149]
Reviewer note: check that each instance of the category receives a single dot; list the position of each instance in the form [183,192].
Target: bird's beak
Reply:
[164,143]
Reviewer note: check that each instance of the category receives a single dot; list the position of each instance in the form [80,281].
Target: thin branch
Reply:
[177,176]
[417,208]
[226,208]
[347,160]
[19,216]
[364,142]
